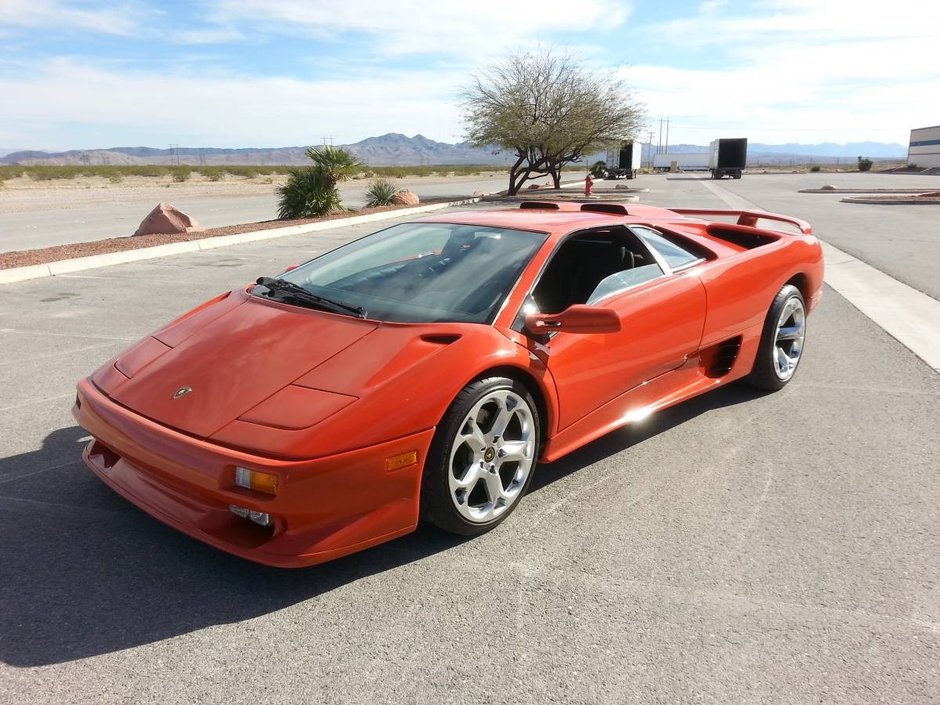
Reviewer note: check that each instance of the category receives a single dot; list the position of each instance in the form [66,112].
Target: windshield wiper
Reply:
[289,290]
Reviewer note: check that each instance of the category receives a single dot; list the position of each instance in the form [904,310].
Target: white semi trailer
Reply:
[624,160]
[684,161]
[727,157]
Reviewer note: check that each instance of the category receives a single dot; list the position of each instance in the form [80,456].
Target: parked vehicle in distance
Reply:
[727,157]
[684,161]
[421,372]
[624,161]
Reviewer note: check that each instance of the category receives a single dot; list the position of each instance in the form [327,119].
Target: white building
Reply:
[925,147]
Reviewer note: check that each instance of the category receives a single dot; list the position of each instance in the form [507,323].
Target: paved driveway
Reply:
[739,548]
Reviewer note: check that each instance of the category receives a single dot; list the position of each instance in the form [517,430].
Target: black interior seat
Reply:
[598,261]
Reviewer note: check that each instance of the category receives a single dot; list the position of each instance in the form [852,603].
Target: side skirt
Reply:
[696,376]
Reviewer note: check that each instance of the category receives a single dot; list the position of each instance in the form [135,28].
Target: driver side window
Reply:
[593,265]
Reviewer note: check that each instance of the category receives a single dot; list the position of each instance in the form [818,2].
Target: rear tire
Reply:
[482,458]
[781,341]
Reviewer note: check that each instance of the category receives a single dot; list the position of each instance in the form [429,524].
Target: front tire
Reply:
[482,458]
[781,342]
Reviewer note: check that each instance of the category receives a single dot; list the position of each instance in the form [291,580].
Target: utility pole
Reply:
[659,139]
[650,150]
[667,135]
[326,141]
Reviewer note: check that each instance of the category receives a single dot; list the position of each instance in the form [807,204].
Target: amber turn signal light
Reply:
[401,460]
[257,481]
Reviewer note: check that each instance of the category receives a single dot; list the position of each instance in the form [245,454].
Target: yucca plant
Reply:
[307,194]
[380,193]
[311,191]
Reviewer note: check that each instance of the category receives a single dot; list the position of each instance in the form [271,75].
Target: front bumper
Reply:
[325,507]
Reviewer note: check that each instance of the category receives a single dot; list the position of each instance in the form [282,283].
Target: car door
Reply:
[661,314]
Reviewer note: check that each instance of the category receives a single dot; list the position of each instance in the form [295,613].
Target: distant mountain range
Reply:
[395,149]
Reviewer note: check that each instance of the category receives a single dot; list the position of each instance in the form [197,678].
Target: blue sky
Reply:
[238,73]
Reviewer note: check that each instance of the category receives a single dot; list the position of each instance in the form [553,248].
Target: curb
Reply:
[877,191]
[67,266]
[894,201]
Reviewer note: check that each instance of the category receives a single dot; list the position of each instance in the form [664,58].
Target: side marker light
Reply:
[396,462]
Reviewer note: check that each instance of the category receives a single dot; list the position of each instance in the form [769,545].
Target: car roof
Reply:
[557,218]
[560,218]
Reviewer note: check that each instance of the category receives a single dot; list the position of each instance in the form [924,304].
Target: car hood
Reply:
[227,364]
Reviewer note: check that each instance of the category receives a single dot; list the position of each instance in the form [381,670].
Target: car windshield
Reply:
[423,272]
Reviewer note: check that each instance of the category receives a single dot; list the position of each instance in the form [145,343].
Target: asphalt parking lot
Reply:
[743,547]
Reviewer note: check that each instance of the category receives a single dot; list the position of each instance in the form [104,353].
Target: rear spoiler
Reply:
[749,218]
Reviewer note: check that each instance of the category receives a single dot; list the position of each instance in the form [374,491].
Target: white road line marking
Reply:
[913,318]
[60,505]
[100,346]
[13,478]
[125,339]
[907,315]
[36,401]
[732,200]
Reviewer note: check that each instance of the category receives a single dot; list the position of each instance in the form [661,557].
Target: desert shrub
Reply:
[49,173]
[111,173]
[396,172]
[181,173]
[212,173]
[148,170]
[864,164]
[814,168]
[307,194]
[12,171]
[246,172]
[380,193]
[311,191]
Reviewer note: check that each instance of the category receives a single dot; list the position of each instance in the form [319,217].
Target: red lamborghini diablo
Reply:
[421,372]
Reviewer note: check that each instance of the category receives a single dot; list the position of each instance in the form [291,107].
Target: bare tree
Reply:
[549,110]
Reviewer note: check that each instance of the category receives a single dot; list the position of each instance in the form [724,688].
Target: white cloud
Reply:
[807,21]
[220,35]
[398,27]
[44,14]
[801,71]
[775,71]
[105,105]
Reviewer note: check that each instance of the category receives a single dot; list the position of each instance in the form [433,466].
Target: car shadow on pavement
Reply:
[84,573]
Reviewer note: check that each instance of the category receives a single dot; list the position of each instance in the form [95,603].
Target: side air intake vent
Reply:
[724,357]
[539,205]
[611,208]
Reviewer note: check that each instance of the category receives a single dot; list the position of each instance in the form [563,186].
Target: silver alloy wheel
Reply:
[788,339]
[491,456]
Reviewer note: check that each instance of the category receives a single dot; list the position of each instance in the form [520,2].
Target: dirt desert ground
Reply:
[24,195]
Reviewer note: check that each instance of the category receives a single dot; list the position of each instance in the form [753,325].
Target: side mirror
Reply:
[578,318]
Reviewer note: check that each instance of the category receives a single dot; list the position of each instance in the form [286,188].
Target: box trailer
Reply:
[624,160]
[684,161]
[727,157]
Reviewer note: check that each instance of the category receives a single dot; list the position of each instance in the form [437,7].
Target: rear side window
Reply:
[675,255]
